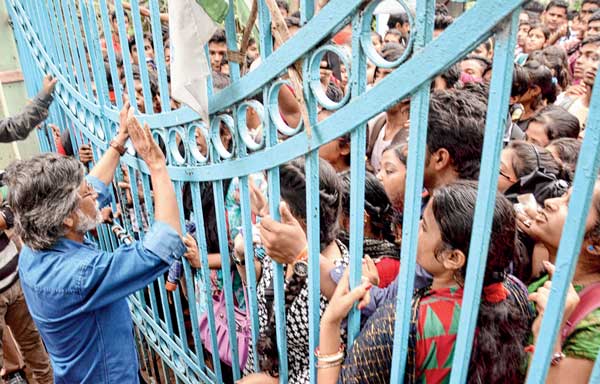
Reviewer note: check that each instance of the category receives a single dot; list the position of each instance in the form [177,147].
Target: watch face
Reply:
[301,268]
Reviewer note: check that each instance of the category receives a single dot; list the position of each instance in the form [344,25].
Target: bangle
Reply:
[332,358]
[118,147]
[329,365]
[303,255]
[557,357]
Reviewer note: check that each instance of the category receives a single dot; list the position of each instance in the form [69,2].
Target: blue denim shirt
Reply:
[76,294]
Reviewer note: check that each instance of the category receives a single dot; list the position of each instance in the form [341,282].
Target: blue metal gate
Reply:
[62,36]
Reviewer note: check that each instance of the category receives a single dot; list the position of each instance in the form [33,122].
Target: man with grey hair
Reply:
[75,291]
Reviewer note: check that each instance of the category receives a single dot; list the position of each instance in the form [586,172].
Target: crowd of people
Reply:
[76,293]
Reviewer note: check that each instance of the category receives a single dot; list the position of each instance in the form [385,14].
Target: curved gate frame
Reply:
[59,36]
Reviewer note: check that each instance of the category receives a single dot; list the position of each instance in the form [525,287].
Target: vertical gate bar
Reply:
[138,216]
[159,57]
[94,50]
[246,211]
[595,377]
[279,307]
[58,33]
[274,196]
[88,17]
[234,68]
[231,41]
[77,64]
[205,273]
[419,110]
[570,242]
[68,44]
[108,39]
[45,37]
[123,41]
[313,237]
[80,49]
[497,115]
[187,274]
[226,271]
[252,304]
[358,139]
[138,35]
[60,24]
[307,10]
[59,59]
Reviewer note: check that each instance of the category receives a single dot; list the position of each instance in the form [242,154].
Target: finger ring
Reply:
[527,223]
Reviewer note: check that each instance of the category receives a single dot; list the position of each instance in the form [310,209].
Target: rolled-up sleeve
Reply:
[164,242]
[108,277]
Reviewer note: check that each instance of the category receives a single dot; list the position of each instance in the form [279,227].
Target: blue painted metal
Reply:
[586,173]
[358,140]
[419,109]
[595,377]
[500,88]
[62,36]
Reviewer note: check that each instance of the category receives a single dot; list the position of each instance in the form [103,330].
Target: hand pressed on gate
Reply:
[144,144]
[48,84]
[284,240]
[541,296]
[341,303]
[85,154]
[191,253]
[165,200]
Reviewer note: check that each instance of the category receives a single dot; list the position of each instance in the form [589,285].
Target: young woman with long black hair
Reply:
[577,349]
[503,323]
[293,195]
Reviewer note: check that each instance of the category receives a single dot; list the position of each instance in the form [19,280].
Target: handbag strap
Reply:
[589,300]
[244,288]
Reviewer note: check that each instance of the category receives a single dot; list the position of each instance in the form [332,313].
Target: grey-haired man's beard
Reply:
[86,223]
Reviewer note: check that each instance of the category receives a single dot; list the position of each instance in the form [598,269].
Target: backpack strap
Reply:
[589,301]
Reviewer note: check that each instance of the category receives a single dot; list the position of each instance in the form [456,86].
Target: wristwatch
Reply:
[118,147]
[301,263]
[301,268]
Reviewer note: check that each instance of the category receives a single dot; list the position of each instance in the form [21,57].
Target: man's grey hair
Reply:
[43,192]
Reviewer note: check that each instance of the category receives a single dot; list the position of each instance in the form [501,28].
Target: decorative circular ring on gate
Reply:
[159,136]
[245,135]
[367,44]
[273,107]
[174,147]
[193,130]
[314,72]
[215,135]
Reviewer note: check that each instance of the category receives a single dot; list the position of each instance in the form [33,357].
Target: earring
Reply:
[591,248]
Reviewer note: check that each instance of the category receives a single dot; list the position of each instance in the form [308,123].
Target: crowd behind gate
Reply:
[76,326]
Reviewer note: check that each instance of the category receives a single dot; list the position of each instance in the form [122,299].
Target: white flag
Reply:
[190,28]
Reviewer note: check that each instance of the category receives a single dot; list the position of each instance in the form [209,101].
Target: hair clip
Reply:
[554,80]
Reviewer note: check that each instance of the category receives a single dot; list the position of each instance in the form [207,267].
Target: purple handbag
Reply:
[242,330]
